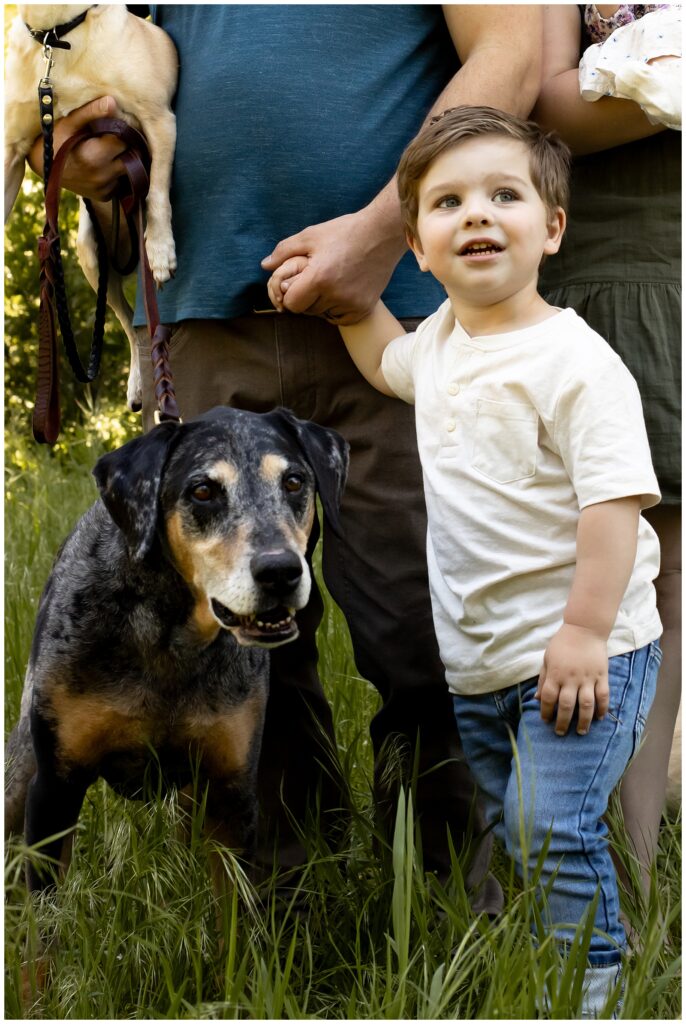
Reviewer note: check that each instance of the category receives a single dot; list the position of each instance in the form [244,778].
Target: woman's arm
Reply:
[585,127]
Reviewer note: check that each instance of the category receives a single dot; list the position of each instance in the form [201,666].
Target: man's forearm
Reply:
[486,46]
[606,550]
[501,47]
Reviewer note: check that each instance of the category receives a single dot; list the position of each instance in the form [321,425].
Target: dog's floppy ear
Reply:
[129,484]
[327,453]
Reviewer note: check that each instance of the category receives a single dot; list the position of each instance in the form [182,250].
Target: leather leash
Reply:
[131,195]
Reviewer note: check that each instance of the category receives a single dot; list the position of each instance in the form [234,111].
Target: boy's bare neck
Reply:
[525,308]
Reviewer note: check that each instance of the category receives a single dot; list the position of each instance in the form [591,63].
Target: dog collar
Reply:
[54,36]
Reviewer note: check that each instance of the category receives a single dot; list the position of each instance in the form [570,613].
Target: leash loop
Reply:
[131,193]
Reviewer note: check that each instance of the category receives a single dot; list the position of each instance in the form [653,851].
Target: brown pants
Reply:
[376,572]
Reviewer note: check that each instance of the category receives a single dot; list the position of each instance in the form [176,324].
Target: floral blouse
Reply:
[599,28]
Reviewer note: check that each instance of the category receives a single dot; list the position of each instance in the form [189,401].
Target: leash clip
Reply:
[49,62]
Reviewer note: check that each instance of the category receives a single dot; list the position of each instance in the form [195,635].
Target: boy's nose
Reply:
[476,216]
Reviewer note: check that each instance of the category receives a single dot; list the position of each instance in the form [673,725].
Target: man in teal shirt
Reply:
[291,119]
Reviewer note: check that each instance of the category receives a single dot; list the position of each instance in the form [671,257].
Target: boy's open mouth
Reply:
[480,249]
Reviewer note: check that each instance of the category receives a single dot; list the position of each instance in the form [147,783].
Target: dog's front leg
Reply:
[53,803]
[159,240]
[231,823]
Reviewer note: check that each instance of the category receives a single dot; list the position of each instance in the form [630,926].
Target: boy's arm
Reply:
[575,664]
[366,342]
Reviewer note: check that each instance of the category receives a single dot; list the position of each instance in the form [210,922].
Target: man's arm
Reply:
[575,668]
[351,258]
[585,127]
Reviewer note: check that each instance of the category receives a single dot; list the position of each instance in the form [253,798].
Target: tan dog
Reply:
[115,53]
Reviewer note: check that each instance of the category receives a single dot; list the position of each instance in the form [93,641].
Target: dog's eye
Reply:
[293,483]
[202,492]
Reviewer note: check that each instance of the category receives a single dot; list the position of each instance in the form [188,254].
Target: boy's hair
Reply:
[550,158]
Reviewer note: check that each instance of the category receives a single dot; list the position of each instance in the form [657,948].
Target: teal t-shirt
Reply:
[288,115]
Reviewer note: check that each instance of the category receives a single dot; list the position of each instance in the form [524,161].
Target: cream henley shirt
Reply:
[517,433]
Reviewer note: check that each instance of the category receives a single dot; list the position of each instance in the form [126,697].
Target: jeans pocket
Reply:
[176,338]
[505,441]
[647,692]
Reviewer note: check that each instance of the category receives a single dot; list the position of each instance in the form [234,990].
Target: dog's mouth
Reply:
[259,629]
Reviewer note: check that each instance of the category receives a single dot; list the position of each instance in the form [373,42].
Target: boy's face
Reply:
[482,227]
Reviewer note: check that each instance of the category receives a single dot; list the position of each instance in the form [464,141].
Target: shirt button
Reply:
[450,426]
[453,388]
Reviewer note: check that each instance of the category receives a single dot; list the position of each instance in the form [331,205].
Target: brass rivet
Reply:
[47,100]
[47,118]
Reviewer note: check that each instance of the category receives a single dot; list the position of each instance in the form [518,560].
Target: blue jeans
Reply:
[566,782]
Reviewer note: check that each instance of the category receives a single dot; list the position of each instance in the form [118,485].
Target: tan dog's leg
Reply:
[159,240]
[14,175]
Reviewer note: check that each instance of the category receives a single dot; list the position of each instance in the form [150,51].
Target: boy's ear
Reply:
[556,229]
[416,247]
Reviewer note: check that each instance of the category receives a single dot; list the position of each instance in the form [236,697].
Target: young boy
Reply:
[536,466]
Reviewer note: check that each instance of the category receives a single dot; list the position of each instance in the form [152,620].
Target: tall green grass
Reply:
[135,932]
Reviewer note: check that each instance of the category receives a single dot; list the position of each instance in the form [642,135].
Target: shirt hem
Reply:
[531,667]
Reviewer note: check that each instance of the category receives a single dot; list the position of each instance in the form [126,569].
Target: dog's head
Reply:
[231,497]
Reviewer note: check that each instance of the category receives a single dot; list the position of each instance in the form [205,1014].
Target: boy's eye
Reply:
[448,202]
[504,195]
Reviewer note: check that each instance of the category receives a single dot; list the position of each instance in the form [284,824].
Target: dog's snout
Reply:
[277,571]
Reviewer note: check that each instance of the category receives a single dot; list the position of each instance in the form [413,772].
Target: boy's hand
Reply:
[350,260]
[279,283]
[575,671]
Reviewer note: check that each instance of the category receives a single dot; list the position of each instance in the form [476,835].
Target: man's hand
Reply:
[345,264]
[575,671]
[93,167]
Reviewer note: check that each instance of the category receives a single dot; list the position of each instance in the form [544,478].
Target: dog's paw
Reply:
[134,390]
[161,257]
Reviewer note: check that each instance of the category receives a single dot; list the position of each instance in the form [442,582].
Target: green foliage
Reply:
[96,404]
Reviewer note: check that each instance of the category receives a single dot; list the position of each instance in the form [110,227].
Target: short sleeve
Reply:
[397,366]
[601,436]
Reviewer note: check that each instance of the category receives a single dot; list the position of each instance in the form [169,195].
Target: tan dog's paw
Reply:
[134,386]
[161,256]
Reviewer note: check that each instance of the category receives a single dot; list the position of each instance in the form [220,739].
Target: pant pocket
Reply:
[646,695]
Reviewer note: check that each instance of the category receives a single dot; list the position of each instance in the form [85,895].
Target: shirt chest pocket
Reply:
[506,440]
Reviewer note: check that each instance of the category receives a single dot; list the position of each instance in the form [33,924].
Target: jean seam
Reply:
[587,856]
[279,363]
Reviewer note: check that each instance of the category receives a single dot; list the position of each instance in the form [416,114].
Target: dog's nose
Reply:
[277,571]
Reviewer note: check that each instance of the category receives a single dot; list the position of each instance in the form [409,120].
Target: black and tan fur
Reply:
[151,634]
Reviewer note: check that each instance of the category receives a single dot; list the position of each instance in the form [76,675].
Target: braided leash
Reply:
[131,195]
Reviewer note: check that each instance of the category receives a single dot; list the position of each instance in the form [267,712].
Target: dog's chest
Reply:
[115,736]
